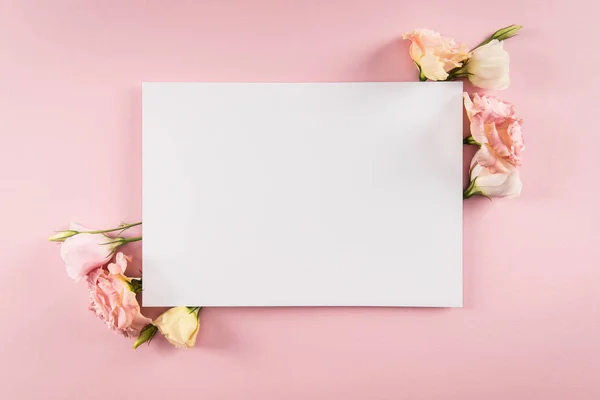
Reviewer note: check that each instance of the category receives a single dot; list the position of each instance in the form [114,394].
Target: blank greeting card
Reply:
[302,194]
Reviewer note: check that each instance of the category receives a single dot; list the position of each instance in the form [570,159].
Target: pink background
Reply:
[70,75]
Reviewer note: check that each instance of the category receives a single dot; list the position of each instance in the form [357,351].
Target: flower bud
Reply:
[506,33]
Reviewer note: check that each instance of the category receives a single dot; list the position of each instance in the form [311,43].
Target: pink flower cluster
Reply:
[112,299]
[496,129]
[494,125]
[88,254]
[439,58]
[91,255]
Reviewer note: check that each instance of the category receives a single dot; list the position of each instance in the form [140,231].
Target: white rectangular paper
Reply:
[302,194]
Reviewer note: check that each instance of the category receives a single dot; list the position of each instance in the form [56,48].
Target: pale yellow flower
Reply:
[179,325]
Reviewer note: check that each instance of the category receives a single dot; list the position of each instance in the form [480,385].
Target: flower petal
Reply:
[433,68]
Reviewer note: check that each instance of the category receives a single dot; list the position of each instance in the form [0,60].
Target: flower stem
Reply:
[501,34]
[459,72]
[131,240]
[482,43]
[123,227]
[120,241]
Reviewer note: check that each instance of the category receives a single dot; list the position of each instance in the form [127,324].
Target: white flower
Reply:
[499,184]
[488,66]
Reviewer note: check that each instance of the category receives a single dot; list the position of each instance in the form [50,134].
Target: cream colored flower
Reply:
[488,66]
[501,184]
[179,325]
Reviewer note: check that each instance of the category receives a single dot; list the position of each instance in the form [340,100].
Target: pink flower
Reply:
[84,252]
[112,299]
[495,127]
[434,54]
[499,184]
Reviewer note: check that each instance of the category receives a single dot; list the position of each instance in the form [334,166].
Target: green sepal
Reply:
[145,336]
[470,140]
[471,190]
[135,285]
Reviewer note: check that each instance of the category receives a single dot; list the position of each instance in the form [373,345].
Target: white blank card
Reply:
[302,194]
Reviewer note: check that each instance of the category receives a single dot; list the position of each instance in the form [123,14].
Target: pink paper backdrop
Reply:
[70,74]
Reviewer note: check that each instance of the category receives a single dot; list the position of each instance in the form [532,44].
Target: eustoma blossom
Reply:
[494,125]
[179,325]
[488,66]
[84,249]
[113,297]
[501,184]
[494,172]
[435,54]
[91,254]
[439,58]
[496,129]
[87,253]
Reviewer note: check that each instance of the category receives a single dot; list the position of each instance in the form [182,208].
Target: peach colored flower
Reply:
[495,127]
[85,252]
[500,184]
[112,299]
[435,54]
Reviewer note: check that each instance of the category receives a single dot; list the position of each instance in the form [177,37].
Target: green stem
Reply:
[459,72]
[131,240]
[120,228]
[462,75]
[482,43]
[120,241]
[501,34]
